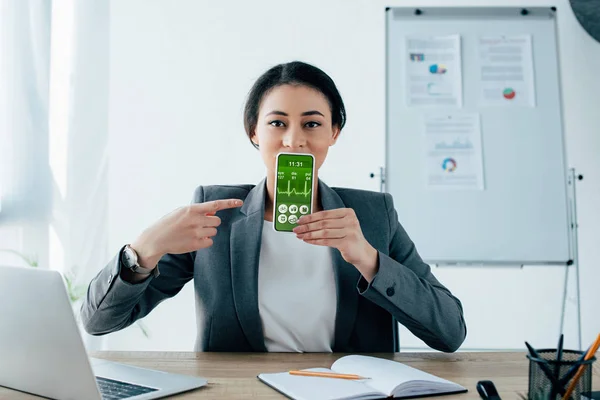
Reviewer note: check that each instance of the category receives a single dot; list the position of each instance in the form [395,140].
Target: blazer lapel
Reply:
[346,278]
[245,241]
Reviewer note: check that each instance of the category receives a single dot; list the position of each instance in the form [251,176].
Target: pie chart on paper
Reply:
[449,164]
[509,93]
[437,69]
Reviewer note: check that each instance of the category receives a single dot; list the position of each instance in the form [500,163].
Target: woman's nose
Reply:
[294,138]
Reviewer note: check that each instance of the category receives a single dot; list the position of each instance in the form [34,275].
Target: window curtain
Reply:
[53,137]
[25,184]
[85,206]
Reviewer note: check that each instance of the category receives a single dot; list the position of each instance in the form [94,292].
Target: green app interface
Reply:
[293,189]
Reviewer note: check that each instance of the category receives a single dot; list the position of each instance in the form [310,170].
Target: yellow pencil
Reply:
[327,375]
[588,355]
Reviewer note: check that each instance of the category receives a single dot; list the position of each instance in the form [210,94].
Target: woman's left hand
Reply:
[340,229]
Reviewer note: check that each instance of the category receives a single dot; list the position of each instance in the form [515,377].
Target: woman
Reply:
[336,285]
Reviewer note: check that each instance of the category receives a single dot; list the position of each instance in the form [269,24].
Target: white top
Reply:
[297,297]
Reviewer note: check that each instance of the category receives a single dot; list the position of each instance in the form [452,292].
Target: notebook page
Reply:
[316,388]
[386,375]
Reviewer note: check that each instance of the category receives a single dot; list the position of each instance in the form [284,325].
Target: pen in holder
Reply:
[550,378]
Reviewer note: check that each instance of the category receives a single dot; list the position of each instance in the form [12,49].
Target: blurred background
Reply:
[112,112]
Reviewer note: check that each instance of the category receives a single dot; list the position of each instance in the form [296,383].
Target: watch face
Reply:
[129,258]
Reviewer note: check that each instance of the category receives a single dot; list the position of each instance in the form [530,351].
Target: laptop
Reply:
[42,352]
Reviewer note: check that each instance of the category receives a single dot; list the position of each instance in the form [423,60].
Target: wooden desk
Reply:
[233,376]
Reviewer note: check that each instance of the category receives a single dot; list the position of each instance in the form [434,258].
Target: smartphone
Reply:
[294,178]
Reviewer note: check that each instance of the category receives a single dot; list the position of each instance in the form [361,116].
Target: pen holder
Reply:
[540,385]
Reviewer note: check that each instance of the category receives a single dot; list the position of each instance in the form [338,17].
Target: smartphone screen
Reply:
[293,189]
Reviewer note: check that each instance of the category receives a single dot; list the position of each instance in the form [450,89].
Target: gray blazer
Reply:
[226,282]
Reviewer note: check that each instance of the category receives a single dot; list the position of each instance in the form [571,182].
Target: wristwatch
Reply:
[129,259]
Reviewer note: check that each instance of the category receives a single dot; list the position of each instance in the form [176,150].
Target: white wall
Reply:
[179,73]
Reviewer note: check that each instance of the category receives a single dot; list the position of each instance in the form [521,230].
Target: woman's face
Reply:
[294,119]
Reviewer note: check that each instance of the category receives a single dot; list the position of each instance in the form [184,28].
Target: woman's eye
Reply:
[312,124]
[277,124]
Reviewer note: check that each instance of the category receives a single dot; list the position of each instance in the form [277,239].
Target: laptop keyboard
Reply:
[114,390]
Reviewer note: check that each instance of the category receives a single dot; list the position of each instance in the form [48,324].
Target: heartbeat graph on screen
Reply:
[291,191]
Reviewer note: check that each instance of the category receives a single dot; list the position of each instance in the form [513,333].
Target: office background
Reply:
[154,108]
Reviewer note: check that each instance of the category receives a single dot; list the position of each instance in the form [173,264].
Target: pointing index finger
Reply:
[211,207]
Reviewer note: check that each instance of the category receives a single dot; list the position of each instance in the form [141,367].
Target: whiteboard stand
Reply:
[574,262]
[524,215]
[381,176]
[572,178]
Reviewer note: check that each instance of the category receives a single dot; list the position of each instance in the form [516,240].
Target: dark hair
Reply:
[293,73]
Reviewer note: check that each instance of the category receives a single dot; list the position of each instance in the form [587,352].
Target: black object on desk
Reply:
[542,372]
[487,390]
[555,384]
[545,367]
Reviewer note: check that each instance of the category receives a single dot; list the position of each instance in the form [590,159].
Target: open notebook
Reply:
[387,378]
